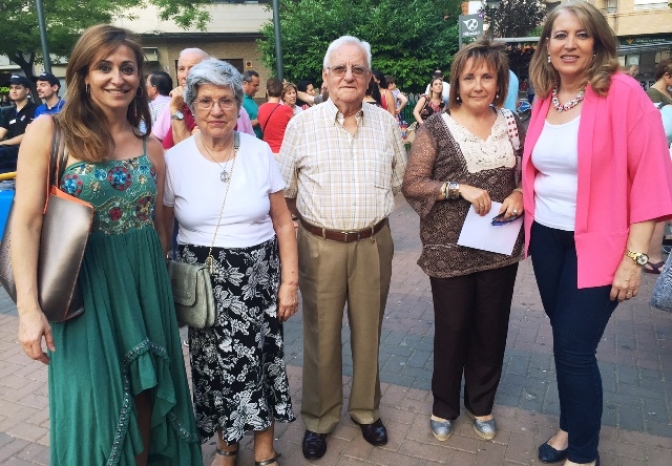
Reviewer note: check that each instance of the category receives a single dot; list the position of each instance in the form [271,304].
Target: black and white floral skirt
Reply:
[238,369]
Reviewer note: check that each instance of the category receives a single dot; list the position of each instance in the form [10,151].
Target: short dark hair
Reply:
[162,81]
[665,66]
[249,74]
[390,79]
[274,87]
[303,85]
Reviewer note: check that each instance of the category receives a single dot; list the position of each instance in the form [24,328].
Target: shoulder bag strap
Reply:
[263,130]
[53,168]
[511,128]
[58,158]
[210,260]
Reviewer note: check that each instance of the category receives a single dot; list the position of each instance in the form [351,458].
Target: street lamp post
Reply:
[43,35]
[493,6]
[278,43]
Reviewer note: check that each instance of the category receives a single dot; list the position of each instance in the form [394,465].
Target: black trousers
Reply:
[471,319]
[8,158]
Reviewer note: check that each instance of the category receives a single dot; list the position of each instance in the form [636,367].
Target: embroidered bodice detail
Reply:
[494,152]
[122,192]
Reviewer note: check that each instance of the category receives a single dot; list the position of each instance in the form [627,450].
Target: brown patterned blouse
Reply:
[445,151]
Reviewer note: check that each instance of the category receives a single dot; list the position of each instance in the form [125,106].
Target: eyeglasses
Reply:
[224,104]
[340,70]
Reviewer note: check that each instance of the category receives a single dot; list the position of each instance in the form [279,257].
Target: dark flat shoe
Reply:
[314,445]
[375,433]
[654,267]
[548,454]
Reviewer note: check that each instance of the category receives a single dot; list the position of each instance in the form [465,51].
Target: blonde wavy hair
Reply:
[604,64]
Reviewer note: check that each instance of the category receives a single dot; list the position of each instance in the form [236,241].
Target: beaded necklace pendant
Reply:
[569,105]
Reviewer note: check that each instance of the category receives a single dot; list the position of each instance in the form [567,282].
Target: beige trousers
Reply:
[333,274]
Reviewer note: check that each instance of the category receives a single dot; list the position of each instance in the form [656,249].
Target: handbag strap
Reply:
[269,118]
[57,160]
[511,128]
[210,261]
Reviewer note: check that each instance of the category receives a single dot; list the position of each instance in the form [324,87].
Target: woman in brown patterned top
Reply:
[464,158]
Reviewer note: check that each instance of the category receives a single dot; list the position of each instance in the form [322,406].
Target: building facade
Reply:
[644,31]
[231,35]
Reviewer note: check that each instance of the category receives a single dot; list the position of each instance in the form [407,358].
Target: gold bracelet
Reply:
[520,190]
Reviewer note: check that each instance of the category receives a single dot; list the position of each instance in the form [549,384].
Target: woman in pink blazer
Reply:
[596,177]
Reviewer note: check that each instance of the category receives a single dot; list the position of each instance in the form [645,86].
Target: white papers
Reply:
[479,233]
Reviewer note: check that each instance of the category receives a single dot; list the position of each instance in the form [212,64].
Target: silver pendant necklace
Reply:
[224,175]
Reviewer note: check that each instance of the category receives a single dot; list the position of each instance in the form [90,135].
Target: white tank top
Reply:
[555,156]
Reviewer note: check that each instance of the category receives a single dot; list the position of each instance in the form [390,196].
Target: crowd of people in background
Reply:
[295,195]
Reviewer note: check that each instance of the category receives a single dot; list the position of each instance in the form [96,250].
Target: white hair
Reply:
[194,51]
[217,73]
[366,48]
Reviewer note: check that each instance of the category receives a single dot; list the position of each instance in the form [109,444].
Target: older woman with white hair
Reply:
[225,190]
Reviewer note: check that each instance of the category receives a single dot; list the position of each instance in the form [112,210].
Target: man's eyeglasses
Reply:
[207,104]
[340,70]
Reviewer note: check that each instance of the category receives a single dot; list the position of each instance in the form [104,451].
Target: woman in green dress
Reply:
[118,392]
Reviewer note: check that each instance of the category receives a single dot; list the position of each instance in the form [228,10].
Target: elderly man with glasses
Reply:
[343,162]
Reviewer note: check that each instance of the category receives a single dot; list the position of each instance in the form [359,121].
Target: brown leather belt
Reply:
[344,236]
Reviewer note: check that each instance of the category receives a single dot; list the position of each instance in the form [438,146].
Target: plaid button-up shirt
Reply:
[343,181]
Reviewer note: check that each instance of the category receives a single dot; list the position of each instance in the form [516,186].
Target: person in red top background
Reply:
[274,116]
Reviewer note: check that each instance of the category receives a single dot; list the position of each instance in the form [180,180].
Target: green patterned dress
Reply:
[127,340]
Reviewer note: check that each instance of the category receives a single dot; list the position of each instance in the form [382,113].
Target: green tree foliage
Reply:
[66,19]
[516,18]
[409,39]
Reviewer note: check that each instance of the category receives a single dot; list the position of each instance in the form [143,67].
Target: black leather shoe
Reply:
[314,445]
[548,454]
[375,433]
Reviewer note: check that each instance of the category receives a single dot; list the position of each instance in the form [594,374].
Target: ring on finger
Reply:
[515,211]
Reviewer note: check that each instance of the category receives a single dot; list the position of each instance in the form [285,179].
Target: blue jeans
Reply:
[578,318]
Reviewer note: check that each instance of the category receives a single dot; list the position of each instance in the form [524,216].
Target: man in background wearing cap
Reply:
[446,87]
[14,122]
[48,86]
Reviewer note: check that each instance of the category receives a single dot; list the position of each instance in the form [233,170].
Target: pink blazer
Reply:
[624,175]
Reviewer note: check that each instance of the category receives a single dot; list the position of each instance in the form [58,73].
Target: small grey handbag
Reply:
[192,293]
[661,297]
[192,288]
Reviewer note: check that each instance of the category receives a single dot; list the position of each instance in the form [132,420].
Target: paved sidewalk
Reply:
[635,356]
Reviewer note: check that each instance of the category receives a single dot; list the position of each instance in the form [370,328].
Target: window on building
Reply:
[611,6]
[650,4]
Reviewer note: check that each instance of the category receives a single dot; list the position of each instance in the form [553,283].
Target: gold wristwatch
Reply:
[638,257]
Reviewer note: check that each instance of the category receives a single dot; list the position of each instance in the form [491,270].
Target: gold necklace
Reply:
[224,175]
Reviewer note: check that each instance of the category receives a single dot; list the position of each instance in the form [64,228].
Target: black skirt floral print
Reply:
[238,369]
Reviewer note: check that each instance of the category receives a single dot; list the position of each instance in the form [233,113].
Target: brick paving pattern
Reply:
[635,356]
